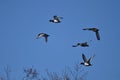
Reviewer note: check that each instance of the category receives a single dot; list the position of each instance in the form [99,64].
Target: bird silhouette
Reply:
[85,61]
[85,44]
[56,19]
[43,35]
[94,30]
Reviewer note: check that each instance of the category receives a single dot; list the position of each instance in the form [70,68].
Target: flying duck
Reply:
[85,61]
[85,44]
[56,19]
[43,35]
[94,30]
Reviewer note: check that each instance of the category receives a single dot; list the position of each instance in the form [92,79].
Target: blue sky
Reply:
[21,21]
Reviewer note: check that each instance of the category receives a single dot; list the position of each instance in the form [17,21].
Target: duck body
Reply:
[85,61]
[43,35]
[96,30]
[85,44]
[56,19]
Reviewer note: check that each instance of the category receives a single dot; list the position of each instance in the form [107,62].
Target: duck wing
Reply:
[84,58]
[55,17]
[61,17]
[74,45]
[87,28]
[46,39]
[97,35]
[40,35]
[90,59]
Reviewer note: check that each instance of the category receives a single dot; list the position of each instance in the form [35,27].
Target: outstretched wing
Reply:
[46,39]
[98,35]
[87,29]
[74,45]
[84,58]
[61,17]
[55,17]
[90,59]
[39,35]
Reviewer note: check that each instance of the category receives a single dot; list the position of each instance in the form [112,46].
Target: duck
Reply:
[56,19]
[43,35]
[85,61]
[96,30]
[85,44]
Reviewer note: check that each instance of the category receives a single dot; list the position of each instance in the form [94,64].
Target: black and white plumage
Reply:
[94,30]
[85,44]
[43,35]
[85,61]
[56,19]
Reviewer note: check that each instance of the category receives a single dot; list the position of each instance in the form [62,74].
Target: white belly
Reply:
[86,64]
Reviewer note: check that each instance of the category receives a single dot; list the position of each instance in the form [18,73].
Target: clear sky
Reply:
[22,20]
